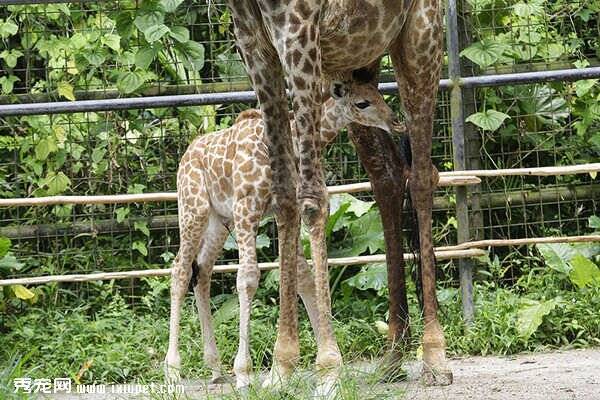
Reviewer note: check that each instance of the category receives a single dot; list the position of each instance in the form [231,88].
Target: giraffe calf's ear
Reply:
[338,90]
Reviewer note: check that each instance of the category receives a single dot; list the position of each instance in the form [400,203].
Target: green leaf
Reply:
[584,86]
[10,263]
[112,40]
[129,82]
[8,83]
[170,5]
[65,89]
[262,241]
[144,57]
[228,310]
[484,53]
[584,271]
[7,28]
[10,57]
[148,20]
[191,54]
[22,292]
[96,57]
[45,147]
[557,255]
[594,222]
[58,184]
[122,213]
[530,317]
[180,33]
[62,211]
[372,276]
[141,226]
[141,247]
[156,32]
[365,233]
[359,207]
[98,154]
[4,246]
[528,9]
[489,120]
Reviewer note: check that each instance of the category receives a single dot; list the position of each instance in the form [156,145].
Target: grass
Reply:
[115,342]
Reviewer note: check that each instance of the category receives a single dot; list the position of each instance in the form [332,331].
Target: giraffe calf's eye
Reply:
[362,104]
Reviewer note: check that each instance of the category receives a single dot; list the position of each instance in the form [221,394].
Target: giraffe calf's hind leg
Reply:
[212,244]
[193,219]
[180,278]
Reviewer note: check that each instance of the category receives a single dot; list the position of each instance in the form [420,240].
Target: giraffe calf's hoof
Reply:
[218,380]
[436,377]
[172,374]
[242,382]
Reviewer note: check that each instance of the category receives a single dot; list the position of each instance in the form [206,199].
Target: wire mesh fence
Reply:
[111,49]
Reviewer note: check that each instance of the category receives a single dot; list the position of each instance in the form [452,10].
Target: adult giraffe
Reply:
[300,41]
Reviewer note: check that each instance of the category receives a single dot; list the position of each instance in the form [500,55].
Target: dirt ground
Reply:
[559,375]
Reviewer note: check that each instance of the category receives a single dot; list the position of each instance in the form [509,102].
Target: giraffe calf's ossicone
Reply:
[224,180]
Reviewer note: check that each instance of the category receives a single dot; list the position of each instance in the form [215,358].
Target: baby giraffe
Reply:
[224,178]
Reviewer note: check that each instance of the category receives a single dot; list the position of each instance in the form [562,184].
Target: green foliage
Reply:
[530,315]
[489,120]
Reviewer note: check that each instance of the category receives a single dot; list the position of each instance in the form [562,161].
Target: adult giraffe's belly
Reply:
[354,33]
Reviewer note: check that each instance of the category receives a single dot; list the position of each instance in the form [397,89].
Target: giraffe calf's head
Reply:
[362,103]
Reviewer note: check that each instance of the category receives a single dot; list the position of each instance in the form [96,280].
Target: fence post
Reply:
[459,156]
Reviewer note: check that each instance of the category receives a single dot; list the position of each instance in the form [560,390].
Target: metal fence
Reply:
[125,127]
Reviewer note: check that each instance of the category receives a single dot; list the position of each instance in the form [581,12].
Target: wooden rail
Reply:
[333,262]
[456,180]
[539,171]
[463,250]
[451,178]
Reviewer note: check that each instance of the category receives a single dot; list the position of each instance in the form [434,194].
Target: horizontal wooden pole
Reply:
[333,262]
[522,242]
[488,201]
[450,178]
[463,250]
[457,180]
[539,171]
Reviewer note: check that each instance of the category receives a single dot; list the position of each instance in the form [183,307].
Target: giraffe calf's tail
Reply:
[194,278]
[412,223]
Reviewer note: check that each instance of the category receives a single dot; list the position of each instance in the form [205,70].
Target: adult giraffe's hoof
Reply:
[277,376]
[436,377]
[327,386]
[329,367]
[389,369]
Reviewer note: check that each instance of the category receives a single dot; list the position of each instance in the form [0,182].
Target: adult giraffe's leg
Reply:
[417,58]
[246,218]
[265,71]
[298,45]
[212,245]
[378,154]
[387,172]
